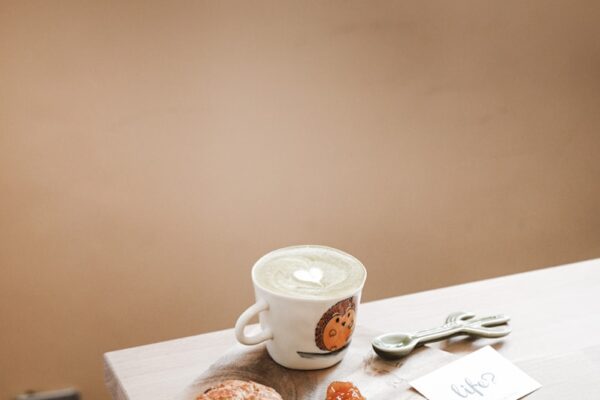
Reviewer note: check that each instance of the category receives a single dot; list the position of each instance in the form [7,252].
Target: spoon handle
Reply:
[462,322]
[435,334]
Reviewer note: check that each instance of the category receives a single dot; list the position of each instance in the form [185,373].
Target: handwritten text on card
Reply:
[484,374]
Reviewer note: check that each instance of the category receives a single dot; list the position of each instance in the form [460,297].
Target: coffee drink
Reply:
[309,272]
[307,299]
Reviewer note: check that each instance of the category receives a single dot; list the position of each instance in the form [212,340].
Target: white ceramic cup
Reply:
[294,327]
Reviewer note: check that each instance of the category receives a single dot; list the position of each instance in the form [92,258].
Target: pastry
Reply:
[240,390]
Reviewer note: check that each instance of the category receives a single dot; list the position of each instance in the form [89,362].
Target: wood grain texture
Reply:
[376,378]
[555,315]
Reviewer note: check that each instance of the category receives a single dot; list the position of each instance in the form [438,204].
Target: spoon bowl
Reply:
[394,345]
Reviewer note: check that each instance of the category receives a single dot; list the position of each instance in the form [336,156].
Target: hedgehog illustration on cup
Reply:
[334,330]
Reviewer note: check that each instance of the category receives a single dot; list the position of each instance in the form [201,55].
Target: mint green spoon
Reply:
[399,344]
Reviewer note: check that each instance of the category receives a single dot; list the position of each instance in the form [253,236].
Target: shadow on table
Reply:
[376,378]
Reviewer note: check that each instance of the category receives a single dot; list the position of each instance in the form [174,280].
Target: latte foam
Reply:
[309,272]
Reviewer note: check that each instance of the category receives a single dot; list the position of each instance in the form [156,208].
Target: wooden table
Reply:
[555,318]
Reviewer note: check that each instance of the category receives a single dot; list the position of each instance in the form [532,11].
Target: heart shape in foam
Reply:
[313,275]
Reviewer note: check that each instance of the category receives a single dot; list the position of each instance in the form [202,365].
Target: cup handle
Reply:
[243,320]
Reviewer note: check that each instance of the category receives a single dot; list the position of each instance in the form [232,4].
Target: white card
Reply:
[483,374]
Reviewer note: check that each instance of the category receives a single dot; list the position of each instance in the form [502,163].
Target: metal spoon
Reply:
[399,344]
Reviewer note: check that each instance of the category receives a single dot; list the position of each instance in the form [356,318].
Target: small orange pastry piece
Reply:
[343,391]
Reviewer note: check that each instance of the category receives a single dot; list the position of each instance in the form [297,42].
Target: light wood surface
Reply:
[555,318]
[377,379]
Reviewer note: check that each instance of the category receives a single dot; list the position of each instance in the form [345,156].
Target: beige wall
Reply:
[149,153]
